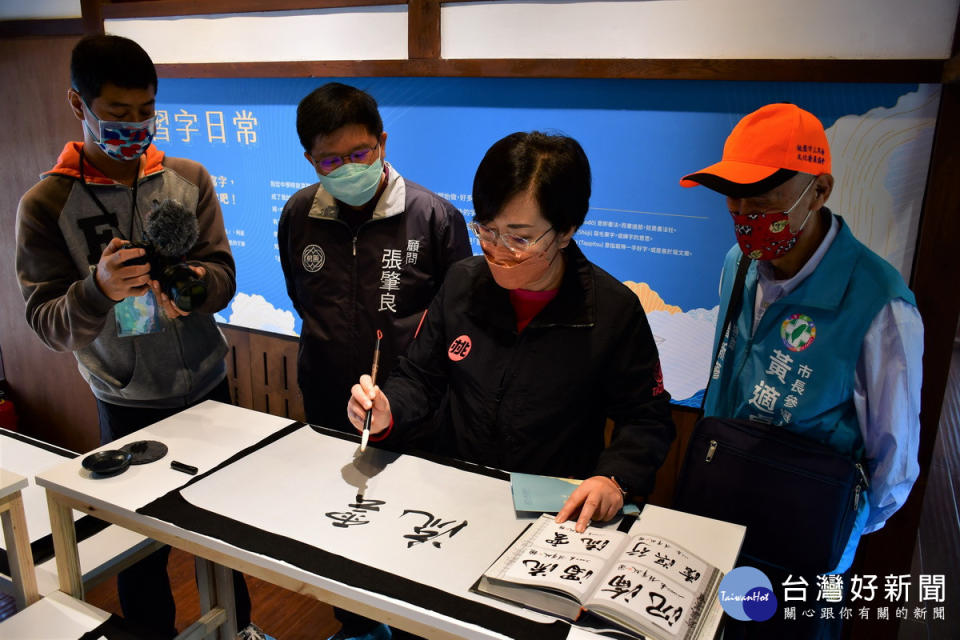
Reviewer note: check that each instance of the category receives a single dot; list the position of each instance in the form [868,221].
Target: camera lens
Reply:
[190,296]
[181,284]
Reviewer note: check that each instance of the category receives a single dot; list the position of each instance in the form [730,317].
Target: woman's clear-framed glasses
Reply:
[327,164]
[515,243]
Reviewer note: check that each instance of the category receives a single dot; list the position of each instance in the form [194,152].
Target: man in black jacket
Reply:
[362,251]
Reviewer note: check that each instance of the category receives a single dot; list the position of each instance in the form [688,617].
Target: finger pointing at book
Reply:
[597,498]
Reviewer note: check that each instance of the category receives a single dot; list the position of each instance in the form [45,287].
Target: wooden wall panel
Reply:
[423,38]
[262,368]
[935,272]
[43,28]
[154,8]
[650,69]
[238,366]
[273,367]
[90,12]
[53,401]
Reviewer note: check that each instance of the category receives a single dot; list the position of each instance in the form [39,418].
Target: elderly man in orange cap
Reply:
[827,341]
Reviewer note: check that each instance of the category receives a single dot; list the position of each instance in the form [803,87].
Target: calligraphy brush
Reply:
[373,378]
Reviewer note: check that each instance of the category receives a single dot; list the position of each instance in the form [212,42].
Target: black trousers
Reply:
[144,588]
[355,625]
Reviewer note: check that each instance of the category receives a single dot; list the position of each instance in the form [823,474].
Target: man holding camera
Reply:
[87,290]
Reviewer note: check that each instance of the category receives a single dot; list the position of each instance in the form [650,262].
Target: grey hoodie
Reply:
[61,233]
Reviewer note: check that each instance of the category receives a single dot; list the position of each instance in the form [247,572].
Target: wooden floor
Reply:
[283,614]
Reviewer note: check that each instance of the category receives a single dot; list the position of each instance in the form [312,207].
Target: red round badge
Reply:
[459,348]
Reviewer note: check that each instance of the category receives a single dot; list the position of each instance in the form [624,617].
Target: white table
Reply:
[56,617]
[102,554]
[209,434]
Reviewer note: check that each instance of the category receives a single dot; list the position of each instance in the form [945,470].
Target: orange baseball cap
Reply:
[764,150]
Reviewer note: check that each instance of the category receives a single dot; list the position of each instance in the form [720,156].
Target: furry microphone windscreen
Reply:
[172,229]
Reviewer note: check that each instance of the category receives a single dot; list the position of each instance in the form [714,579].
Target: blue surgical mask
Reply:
[122,140]
[353,183]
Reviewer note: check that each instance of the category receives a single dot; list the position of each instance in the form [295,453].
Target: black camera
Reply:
[176,278]
[170,232]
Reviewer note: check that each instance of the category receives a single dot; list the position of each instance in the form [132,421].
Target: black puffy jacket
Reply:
[537,401]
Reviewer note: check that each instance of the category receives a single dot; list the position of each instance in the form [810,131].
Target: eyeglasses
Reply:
[784,212]
[515,243]
[327,164]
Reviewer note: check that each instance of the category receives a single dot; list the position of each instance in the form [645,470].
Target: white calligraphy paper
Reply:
[428,522]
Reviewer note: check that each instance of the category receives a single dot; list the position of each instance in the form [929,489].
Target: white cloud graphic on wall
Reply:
[254,312]
[685,343]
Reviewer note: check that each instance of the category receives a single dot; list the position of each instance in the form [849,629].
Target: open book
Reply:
[642,582]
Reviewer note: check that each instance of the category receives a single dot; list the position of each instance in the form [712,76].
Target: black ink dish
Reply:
[145,451]
[104,464]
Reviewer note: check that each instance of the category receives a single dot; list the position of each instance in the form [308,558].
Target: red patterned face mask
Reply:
[122,140]
[765,236]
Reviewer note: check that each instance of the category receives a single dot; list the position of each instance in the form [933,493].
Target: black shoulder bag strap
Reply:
[733,309]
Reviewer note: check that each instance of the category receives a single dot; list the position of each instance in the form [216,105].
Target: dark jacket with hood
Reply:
[61,233]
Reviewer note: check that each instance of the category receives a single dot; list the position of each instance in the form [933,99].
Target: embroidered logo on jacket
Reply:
[313,258]
[798,332]
[460,348]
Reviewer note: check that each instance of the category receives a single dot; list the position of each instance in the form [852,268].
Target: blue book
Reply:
[546,494]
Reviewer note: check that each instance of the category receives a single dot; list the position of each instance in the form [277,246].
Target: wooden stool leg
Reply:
[215,583]
[19,554]
[226,599]
[65,547]
[207,588]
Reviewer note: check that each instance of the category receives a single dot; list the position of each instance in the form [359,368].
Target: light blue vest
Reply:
[797,366]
